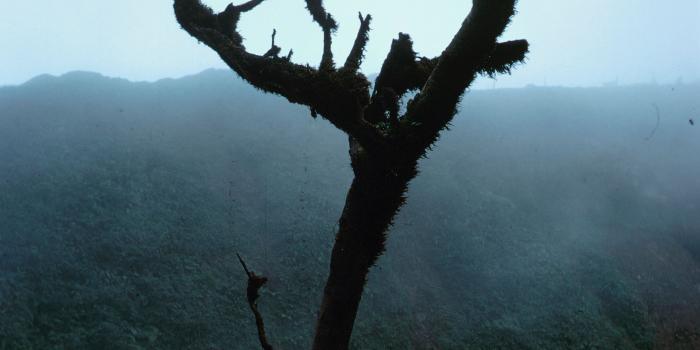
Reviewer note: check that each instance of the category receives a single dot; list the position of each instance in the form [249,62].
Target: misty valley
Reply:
[547,218]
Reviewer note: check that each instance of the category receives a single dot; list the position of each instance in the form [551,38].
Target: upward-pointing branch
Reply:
[357,53]
[328,25]
[457,67]
[402,71]
[274,50]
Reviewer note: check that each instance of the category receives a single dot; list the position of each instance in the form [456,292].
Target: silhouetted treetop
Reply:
[343,95]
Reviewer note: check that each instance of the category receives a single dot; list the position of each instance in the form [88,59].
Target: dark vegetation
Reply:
[545,220]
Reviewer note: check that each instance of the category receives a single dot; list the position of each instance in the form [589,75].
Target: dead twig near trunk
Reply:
[256,282]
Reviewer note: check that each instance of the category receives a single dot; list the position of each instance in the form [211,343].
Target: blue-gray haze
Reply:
[574,42]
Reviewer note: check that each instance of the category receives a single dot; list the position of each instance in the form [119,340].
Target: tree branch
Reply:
[399,73]
[337,97]
[249,5]
[227,20]
[402,72]
[357,53]
[328,25]
[256,282]
[457,67]
[504,56]
[399,69]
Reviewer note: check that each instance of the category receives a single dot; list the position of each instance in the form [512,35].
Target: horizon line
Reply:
[609,84]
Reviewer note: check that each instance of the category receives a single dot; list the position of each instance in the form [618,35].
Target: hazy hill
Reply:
[546,218]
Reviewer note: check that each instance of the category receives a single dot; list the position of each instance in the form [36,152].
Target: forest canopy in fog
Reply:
[546,217]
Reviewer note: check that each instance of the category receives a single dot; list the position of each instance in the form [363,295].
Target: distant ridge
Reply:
[224,75]
[74,76]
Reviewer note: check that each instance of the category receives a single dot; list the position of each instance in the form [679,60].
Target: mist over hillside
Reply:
[545,218]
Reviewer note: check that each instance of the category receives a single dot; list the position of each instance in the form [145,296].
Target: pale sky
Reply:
[573,42]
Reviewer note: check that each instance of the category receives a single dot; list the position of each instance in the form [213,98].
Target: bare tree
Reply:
[384,146]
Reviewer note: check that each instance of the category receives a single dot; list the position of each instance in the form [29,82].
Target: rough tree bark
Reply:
[384,147]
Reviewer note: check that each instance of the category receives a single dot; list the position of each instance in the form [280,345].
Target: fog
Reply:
[573,43]
[545,217]
[559,211]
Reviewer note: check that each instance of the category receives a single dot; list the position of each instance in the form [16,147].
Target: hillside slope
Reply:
[546,218]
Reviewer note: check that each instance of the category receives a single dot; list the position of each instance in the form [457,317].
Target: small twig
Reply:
[256,282]
[658,121]
[245,268]
[274,50]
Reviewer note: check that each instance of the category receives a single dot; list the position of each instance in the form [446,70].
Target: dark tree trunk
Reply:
[376,194]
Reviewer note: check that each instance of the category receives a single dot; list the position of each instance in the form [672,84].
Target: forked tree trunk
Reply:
[371,204]
[384,145]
